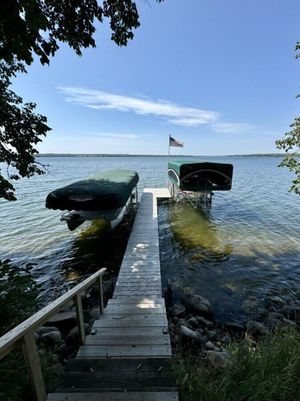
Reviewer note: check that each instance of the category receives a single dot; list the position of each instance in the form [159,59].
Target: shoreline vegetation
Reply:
[256,360]
[265,369]
[149,155]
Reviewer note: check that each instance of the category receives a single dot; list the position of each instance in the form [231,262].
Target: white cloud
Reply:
[175,114]
[231,128]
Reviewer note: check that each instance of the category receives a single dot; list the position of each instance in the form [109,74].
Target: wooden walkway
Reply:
[127,356]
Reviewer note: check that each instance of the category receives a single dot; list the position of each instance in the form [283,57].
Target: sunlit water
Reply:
[246,246]
[242,251]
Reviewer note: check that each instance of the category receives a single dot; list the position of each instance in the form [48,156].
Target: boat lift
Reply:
[109,195]
[75,218]
[196,182]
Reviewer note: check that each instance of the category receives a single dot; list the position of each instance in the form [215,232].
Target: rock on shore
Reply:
[191,325]
[197,304]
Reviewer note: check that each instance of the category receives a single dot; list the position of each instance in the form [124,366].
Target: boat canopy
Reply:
[195,176]
[104,191]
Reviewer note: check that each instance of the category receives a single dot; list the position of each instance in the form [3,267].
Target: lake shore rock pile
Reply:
[192,326]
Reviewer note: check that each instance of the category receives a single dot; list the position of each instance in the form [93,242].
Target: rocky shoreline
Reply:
[192,326]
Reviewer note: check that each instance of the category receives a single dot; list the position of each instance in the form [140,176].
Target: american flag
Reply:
[173,142]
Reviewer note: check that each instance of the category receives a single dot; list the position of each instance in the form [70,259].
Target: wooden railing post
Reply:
[34,366]
[80,321]
[101,296]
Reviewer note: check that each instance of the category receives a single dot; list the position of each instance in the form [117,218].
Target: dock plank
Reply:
[147,276]
[117,309]
[138,289]
[137,320]
[138,300]
[129,293]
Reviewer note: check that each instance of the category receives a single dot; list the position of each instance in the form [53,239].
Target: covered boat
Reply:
[196,181]
[107,195]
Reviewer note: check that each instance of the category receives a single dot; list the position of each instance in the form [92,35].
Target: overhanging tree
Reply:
[291,145]
[20,130]
[35,28]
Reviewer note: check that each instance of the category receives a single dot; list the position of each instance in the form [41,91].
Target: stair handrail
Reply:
[24,332]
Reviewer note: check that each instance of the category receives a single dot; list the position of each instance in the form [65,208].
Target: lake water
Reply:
[247,246]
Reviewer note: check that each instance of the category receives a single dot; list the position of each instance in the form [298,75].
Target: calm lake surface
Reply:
[245,248]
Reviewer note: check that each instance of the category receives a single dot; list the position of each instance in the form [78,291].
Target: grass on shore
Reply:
[270,371]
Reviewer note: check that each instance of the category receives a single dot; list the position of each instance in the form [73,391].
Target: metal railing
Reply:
[24,332]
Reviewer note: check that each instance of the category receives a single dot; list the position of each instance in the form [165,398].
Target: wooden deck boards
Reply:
[116,396]
[124,351]
[133,330]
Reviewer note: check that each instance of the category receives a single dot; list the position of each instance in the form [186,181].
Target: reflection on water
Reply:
[238,267]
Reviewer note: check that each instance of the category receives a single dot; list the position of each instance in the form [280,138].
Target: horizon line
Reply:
[49,154]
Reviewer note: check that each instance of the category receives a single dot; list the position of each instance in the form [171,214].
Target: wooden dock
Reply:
[127,355]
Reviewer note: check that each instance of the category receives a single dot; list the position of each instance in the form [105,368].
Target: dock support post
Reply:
[34,366]
[80,321]
[101,296]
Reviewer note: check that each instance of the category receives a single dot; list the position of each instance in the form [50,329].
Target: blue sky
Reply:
[219,75]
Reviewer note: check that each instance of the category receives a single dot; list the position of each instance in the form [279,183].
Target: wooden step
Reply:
[132,338]
[134,308]
[125,351]
[122,381]
[115,396]
[118,365]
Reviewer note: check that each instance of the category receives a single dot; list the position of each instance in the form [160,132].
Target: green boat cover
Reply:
[104,191]
[197,176]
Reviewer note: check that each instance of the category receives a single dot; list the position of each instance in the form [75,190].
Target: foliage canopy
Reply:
[32,29]
[291,141]
[291,145]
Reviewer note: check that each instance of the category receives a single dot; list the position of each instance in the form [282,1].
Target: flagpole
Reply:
[168,151]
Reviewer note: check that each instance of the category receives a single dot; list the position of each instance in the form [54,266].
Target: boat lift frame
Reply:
[115,217]
[196,199]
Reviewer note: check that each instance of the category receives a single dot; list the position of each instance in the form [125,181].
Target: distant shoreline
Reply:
[143,155]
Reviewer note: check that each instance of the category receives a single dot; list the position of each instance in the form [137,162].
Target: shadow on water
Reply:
[204,256]
[94,247]
[97,246]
